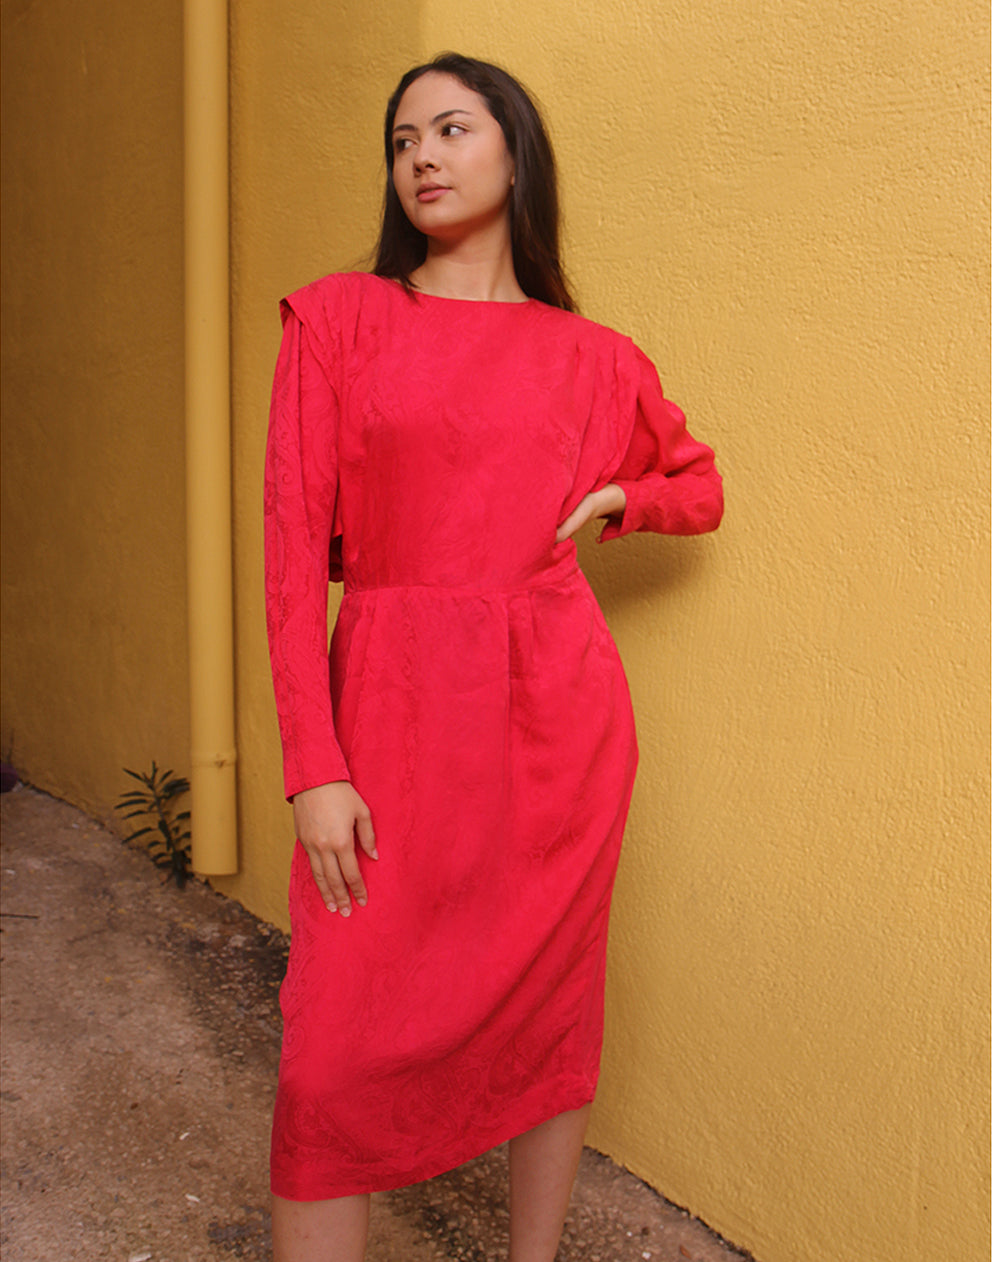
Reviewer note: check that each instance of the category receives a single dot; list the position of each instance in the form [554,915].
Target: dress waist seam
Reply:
[465,589]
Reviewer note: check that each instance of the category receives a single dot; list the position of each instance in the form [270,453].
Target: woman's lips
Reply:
[431,193]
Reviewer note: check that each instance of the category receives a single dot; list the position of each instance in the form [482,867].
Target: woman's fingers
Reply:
[327,878]
[328,819]
[348,863]
[606,502]
[573,522]
[317,872]
[583,511]
[336,872]
[366,835]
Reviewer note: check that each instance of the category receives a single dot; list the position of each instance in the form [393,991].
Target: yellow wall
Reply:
[784,204]
[306,100]
[94,635]
[783,208]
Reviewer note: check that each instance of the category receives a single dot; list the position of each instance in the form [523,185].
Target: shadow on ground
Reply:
[140,1040]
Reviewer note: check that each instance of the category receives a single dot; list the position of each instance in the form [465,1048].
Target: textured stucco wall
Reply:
[94,638]
[307,87]
[784,203]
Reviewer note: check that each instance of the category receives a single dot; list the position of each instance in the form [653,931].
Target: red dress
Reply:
[425,450]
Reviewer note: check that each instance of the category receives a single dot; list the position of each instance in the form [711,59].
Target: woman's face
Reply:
[451,167]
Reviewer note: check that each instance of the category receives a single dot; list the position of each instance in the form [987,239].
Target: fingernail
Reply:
[345,911]
[375,854]
[361,901]
[331,906]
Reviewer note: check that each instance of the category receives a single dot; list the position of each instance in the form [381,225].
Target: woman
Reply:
[460,770]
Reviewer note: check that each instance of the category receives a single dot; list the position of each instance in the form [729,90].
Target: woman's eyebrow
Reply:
[438,118]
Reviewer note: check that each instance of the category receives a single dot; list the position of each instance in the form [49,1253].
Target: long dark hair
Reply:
[533,199]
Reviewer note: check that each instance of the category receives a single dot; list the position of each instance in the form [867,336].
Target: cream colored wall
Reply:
[94,640]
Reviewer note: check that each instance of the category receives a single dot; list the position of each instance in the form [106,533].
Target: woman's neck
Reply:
[473,275]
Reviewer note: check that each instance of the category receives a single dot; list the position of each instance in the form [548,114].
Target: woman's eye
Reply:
[401,143]
[451,129]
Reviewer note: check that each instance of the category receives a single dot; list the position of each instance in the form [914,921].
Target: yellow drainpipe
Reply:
[208,439]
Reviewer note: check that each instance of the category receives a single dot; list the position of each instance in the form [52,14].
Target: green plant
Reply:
[169,846]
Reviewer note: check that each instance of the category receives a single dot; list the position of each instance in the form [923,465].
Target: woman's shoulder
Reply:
[331,308]
[590,337]
[582,326]
[336,289]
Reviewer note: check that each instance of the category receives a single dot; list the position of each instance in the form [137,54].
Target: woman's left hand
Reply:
[609,502]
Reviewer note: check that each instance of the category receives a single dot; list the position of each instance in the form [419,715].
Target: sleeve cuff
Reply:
[326,770]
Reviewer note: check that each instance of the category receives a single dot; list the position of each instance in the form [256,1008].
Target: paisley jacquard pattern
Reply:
[424,450]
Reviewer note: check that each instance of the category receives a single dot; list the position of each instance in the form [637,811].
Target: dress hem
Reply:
[306,1189]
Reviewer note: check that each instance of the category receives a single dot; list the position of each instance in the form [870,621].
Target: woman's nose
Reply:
[423,159]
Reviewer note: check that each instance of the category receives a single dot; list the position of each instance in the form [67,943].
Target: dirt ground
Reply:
[140,1039]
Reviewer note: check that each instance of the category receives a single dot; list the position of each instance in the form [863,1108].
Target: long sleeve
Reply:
[670,480]
[300,492]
